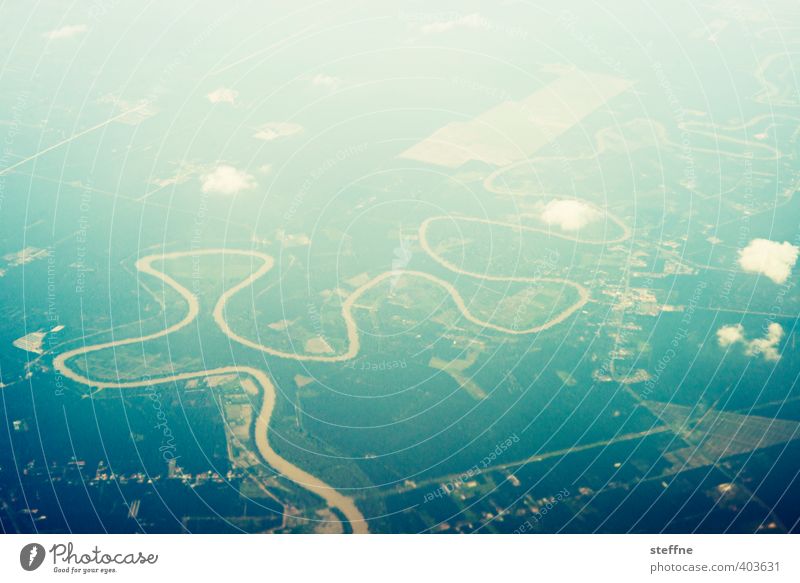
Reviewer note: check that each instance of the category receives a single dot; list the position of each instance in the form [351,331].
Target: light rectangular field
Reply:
[514,130]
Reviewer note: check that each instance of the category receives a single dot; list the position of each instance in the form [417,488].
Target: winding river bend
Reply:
[332,497]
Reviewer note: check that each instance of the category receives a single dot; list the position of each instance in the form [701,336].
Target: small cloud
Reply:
[327,81]
[728,335]
[66,31]
[135,112]
[770,258]
[766,346]
[570,215]
[227,180]
[274,130]
[472,21]
[223,95]
[184,172]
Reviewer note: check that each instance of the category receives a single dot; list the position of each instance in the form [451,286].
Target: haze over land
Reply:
[350,267]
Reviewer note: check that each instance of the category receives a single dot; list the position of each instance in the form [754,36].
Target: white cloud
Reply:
[328,81]
[728,335]
[770,258]
[766,346]
[278,129]
[184,172]
[226,179]
[570,215]
[468,21]
[135,112]
[223,95]
[66,31]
